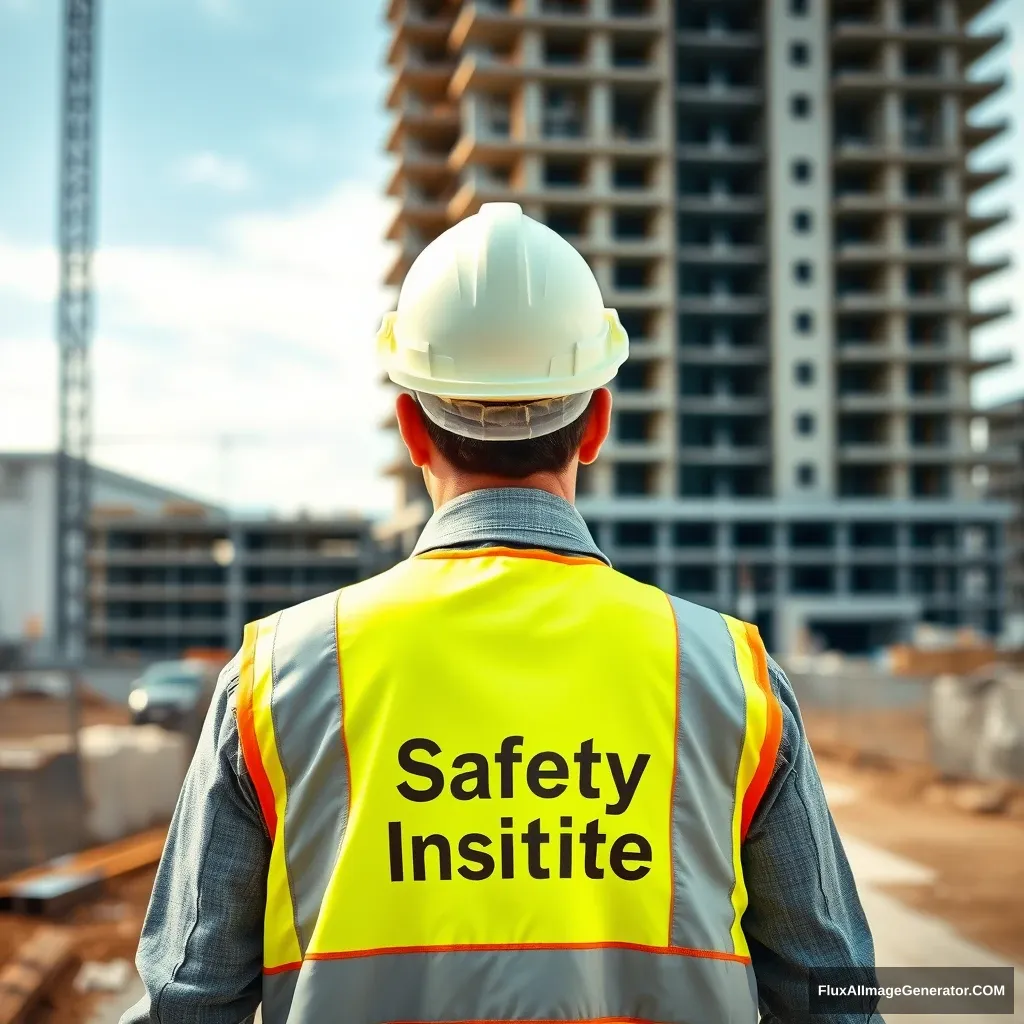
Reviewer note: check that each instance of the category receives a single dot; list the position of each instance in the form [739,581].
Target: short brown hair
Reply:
[512,460]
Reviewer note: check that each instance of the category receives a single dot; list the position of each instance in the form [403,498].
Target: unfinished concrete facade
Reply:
[159,585]
[1006,483]
[776,197]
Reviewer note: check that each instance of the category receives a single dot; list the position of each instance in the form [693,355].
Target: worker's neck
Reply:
[443,490]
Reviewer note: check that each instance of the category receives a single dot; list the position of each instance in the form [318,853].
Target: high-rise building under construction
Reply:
[776,196]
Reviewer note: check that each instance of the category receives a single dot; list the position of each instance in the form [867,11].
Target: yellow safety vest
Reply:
[506,785]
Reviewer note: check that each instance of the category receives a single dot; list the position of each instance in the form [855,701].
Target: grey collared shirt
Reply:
[201,952]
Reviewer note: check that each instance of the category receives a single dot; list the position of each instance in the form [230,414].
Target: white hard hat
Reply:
[500,309]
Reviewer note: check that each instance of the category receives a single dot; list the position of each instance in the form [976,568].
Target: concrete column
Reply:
[236,590]
[843,558]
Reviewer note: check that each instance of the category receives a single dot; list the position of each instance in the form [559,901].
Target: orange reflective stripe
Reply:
[773,732]
[503,947]
[247,731]
[500,552]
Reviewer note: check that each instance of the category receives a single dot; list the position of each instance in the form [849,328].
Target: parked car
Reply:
[174,694]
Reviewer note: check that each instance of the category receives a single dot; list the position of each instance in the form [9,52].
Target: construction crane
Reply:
[74,323]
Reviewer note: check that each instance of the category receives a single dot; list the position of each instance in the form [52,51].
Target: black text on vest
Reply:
[531,847]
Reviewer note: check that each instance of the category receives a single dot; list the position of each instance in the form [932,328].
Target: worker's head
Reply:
[503,345]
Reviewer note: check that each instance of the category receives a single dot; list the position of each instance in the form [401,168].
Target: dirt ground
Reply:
[104,930]
[971,835]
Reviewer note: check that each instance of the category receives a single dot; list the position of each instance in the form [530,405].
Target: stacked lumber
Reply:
[35,967]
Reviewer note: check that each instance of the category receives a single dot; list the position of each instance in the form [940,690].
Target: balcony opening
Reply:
[634,535]
[863,430]
[570,222]
[922,61]
[716,19]
[922,124]
[694,580]
[631,116]
[863,380]
[928,431]
[856,124]
[924,232]
[873,579]
[630,52]
[633,427]
[693,535]
[696,381]
[632,174]
[857,182]
[858,231]
[639,324]
[928,380]
[630,8]
[933,536]
[872,535]
[753,535]
[811,579]
[925,281]
[926,331]
[744,482]
[919,183]
[855,12]
[860,330]
[811,535]
[565,113]
[563,173]
[633,479]
[919,14]
[857,60]
[565,49]
[929,481]
[863,481]
[859,281]
[633,376]
[629,225]
[696,482]
[633,275]
[698,431]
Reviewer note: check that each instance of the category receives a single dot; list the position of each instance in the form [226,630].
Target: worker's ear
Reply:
[598,426]
[411,427]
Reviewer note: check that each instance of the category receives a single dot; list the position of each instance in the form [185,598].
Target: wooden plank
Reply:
[35,966]
[109,860]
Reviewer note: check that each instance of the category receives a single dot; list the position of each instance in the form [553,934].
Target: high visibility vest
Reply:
[506,785]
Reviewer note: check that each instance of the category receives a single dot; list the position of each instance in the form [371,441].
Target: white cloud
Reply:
[247,366]
[212,169]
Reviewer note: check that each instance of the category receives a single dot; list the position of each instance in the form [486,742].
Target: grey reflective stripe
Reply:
[306,708]
[712,727]
[513,985]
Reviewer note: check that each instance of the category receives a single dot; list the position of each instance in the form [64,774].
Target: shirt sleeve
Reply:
[804,914]
[200,956]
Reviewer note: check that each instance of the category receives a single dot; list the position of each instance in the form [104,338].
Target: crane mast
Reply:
[74,325]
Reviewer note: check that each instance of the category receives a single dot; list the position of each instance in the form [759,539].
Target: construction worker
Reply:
[500,781]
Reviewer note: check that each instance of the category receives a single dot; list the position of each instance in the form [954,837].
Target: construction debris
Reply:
[34,968]
[94,976]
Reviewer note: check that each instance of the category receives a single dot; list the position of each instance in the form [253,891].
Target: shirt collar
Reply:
[515,516]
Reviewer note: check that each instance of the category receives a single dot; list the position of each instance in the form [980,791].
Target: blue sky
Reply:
[240,229]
